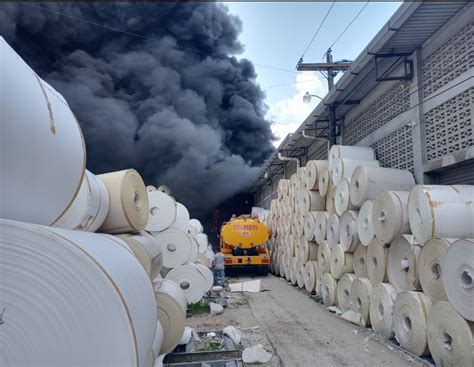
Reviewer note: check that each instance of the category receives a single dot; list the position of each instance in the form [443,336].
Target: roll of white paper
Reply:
[360,292]
[340,262]
[324,257]
[344,167]
[341,197]
[190,280]
[181,220]
[310,275]
[381,309]
[324,180]
[377,262]
[403,263]
[162,211]
[178,248]
[360,261]
[348,236]
[329,290]
[365,227]
[344,299]
[311,173]
[350,151]
[320,227]
[332,230]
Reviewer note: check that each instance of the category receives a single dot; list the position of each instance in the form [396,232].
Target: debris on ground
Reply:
[256,354]
[216,309]
[253,286]
[233,333]
[209,342]
[352,316]
[335,310]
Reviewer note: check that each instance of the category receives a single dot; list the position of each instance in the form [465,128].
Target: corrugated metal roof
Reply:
[406,31]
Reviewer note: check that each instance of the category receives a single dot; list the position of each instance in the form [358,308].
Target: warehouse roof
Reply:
[406,31]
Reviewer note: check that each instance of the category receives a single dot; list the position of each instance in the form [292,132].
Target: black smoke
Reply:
[193,120]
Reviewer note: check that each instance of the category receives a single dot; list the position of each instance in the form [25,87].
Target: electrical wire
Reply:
[348,26]
[319,28]
[191,49]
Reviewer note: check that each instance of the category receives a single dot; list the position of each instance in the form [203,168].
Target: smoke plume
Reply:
[193,120]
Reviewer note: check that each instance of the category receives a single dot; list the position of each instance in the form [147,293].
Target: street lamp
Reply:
[307,97]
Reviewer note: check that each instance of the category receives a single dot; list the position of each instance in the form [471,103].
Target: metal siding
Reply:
[460,174]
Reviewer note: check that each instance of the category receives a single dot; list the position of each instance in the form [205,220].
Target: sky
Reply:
[277,33]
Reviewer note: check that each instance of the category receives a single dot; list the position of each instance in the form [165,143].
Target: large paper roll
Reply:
[147,251]
[171,303]
[178,248]
[367,182]
[458,273]
[158,340]
[329,290]
[332,230]
[360,262]
[208,276]
[311,173]
[309,251]
[293,270]
[300,171]
[381,309]
[164,189]
[309,225]
[181,220]
[202,241]
[390,215]
[410,311]
[341,197]
[343,168]
[348,236]
[190,280]
[344,299]
[72,296]
[150,188]
[340,262]
[331,200]
[441,211]
[429,267]
[365,227]
[196,224]
[310,201]
[403,263]
[163,212]
[324,180]
[42,146]
[98,203]
[320,224]
[450,337]
[377,262]
[310,270]
[350,151]
[324,257]
[360,293]
[319,280]
[300,274]
[128,210]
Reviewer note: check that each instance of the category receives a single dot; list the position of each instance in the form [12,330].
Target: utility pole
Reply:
[332,69]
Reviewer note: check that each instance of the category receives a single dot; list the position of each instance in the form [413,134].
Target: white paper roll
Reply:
[429,267]
[309,225]
[320,227]
[171,303]
[360,293]
[324,179]
[311,173]
[329,290]
[98,203]
[390,215]
[381,309]
[350,151]
[309,251]
[163,212]
[441,211]
[164,189]
[89,293]
[181,220]
[300,171]
[377,262]
[324,257]
[343,168]
[331,200]
[341,197]
[360,261]
[196,224]
[43,150]
[128,209]
[403,263]
[310,201]
[344,299]
[178,248]
[208,276]
[450,337]
[158,340]
[300,274]
[150,188]
[458,273]
[310,270]
[332,230]
[190,280]
[340,262]
[367,182]
[365,227]
[348,236]
[410,311]
[319,280]
[202,241]
[293,270]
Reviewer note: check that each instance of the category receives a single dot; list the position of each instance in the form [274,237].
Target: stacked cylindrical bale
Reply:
[398,255]
[99,285]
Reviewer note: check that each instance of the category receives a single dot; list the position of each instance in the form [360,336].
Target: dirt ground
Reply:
[299,331]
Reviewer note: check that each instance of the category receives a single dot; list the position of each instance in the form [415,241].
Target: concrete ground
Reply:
[299,331]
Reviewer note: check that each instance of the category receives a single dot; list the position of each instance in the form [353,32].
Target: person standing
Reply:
[219,270]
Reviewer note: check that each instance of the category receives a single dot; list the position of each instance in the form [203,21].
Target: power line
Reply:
[319,28]
[348,26]
[145,37]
